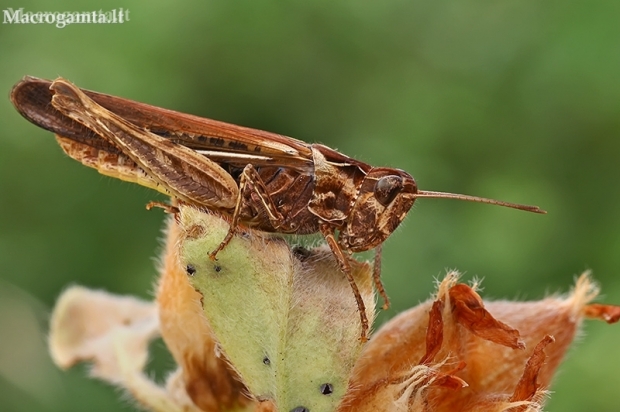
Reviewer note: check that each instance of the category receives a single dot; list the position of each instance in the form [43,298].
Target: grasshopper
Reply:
[257,179]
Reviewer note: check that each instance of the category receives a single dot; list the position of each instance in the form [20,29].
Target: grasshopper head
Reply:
[385,197]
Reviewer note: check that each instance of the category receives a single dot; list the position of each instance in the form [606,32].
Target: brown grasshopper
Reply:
[258,179]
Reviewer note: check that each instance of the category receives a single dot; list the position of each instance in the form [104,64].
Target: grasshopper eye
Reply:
[387,188]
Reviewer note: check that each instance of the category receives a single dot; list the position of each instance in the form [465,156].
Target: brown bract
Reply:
[454,352]
[457,353]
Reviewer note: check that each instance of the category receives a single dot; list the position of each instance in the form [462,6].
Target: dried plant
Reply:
[267,328]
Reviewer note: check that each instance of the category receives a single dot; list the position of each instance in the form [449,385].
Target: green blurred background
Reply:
[516,100]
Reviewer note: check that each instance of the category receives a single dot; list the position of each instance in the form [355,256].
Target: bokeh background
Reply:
[513,99]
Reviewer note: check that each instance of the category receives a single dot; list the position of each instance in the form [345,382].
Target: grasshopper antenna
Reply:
[444,195]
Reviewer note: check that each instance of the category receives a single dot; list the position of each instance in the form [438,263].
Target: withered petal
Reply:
[434,333]
[469,311]
[528,385]
[608,313]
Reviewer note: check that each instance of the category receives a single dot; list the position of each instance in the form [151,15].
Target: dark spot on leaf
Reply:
[327,389]
[301,253]
[266,361]
[190,269]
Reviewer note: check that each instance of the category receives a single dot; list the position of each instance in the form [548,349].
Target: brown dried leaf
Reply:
[608,313]
[449,381]
[434,333]
[476,336]
[469,311]
[528,385]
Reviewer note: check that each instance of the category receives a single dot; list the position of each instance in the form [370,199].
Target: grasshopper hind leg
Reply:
[250,183]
